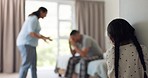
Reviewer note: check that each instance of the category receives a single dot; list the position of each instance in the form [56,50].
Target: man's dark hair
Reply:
[74,32]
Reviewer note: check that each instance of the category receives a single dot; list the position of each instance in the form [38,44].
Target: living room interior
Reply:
[90,17]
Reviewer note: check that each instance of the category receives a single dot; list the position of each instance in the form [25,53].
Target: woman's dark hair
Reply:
[74,32]
[120,31]
[37,13]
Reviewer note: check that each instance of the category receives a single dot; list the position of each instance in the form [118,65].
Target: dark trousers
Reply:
[83,65]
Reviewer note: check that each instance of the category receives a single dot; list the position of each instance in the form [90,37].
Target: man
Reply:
[87,50]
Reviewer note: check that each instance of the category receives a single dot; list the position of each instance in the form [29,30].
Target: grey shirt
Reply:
[88,42]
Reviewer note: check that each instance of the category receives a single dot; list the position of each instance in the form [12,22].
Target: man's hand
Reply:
[83,52]
[72,42]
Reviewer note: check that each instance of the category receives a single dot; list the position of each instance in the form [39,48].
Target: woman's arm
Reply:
[39,36]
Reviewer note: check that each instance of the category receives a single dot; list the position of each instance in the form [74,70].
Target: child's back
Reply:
[129,62]
[127,59]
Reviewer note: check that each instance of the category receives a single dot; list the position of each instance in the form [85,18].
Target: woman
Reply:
[28,40]
[127,58]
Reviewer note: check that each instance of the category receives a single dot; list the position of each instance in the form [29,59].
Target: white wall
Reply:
[74,0]
[135,11]
[111,12]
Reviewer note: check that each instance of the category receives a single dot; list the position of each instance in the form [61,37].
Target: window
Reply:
[57,24]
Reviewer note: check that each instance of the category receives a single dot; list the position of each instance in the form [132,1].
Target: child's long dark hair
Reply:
[37,13]
[120,31]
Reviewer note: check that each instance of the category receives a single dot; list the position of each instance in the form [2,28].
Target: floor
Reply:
[42,73]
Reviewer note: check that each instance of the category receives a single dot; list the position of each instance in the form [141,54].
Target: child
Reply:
[127,58]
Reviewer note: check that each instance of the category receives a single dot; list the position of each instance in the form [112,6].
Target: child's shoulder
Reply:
[110,50]
[144,48]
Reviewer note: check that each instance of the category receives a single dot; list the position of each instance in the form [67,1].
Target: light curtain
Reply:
[90,20]
[11,19]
